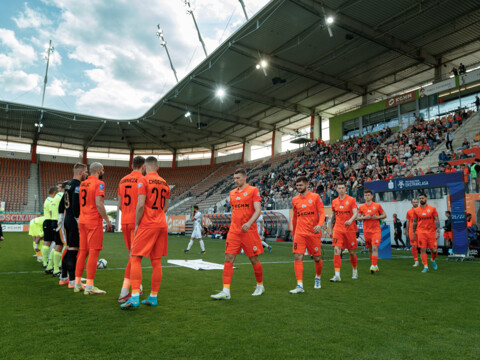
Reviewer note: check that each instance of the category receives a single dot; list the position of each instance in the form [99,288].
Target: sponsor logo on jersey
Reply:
[140,185]
[304,206]
[77,189]
[245,194]
[310,201]
[254,248]
[239,198]
[341,206]
[101,187]
[316,249]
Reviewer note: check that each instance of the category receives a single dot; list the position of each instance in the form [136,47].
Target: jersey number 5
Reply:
[128,198]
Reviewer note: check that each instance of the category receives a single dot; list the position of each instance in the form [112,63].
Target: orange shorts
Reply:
[311,242]
[128,231]
[372,238]
[250,243]
[91,236]
[447,235]
[426,240]
[344,239]
[410,237]
[150,242]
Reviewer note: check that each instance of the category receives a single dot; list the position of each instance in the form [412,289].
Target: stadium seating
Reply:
[14,176]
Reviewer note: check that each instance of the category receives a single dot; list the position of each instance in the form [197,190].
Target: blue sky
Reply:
[107,60]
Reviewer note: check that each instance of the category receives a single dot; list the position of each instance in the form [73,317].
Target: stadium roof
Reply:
[378,48]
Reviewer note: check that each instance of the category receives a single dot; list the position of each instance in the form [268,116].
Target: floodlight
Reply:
[263,64]
[330,20]
[188,114]
[220,93]
[257,66]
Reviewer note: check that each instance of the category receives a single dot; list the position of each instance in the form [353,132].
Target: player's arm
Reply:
[414,226]
[360,216]
[353,218]
[76,203]
[165,208]
[437,225]
[332,224]
[294,220]
[101,210]
[408,224]
[321,217]
[258,209]
[140,209]
[383,215]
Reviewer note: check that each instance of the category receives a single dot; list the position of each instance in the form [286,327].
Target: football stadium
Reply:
[306,187]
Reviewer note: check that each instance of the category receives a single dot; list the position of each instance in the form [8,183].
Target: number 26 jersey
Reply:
[156,191]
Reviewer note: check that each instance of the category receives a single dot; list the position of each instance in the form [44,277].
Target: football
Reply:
[102,264]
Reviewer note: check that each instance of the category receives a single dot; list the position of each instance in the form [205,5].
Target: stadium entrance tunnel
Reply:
[275,224]
[455,185]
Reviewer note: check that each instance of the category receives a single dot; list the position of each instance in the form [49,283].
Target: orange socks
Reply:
[136,274]
[337,262]
[434,256]
[127,275]
[415,253]
[227,274]
[424,259]
[353,260]
[318,267]
[258,270]
[374,260]
[156,275]
[92,265]
[82,256]
[298,266]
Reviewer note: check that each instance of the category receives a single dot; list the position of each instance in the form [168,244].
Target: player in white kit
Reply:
[197,230]
[261,231]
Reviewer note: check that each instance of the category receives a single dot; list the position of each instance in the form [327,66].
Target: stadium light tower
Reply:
[49,51]
[243,8]
[164,45]
[190,12]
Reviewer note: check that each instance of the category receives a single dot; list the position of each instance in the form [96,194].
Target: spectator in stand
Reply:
[465,144]
[475,174]
[462,69]
[449,139]
[477,102]
[442,158]
[454,71]
[449,169]
[466,177]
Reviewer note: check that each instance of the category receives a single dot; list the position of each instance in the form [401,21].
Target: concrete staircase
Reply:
[32,190]
[467,130]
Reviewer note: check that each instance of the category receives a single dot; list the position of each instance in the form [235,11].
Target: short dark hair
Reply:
[240,171]
[151,160]
[196,207]
[367,191]
[79,166]
[341,183]
[423,194]
[448,212]
[52,190]
[301,179]
[138,162]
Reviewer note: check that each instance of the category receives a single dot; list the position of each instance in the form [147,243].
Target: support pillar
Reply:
[34,153]
[212,157]
[85,156]
[130,162]
[246,153]
[312,125]
[276,143]
[174,160]
[317,127]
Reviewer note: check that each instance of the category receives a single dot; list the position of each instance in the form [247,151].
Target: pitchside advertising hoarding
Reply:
[454,181]
[16,222]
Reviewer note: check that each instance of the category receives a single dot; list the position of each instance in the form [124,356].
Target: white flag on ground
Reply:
[198,264]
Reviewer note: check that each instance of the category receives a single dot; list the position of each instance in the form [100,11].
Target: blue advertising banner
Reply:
[454,181]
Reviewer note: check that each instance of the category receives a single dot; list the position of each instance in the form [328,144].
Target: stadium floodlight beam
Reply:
[164,45]
[45,80]
[262,65]
[220,93]
[243,8]
[190,12]
[329,20]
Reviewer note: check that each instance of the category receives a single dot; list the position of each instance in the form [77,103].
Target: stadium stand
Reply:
[14,174]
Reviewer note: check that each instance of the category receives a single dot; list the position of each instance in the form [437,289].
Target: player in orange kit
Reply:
[127,202]
[151,233]
[426,231]
[371,213]
[246,207]
[307,222]
[344,213]
[90,226]
[413,242]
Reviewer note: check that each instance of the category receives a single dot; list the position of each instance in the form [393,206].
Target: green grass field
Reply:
[397,313]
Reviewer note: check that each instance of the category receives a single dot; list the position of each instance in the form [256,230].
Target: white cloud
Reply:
[30,18]
[16,53]
[19,81]
[57,87]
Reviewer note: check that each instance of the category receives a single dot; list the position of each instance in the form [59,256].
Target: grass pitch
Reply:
[397,313]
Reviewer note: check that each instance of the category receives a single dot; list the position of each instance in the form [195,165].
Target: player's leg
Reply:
[374,259]
[232,248]
[314,244]
[46,242]
[95,245]
[159,250]
[202,244]
[258,271]
[422,244]
[57,256]
[81,258]
[298,250]
[432,245]
[351,245]
[189,246]
[136,279]
[337,242]
[128,231]
[252,245]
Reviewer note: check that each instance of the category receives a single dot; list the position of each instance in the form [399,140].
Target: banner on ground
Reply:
[198,264]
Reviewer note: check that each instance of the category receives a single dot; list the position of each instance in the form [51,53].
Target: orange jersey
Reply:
[425,219]
[343,210]
[242,207]
[371,225]
[128,195]
[410,216]
[89,190]
[308,212]
[156,191]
